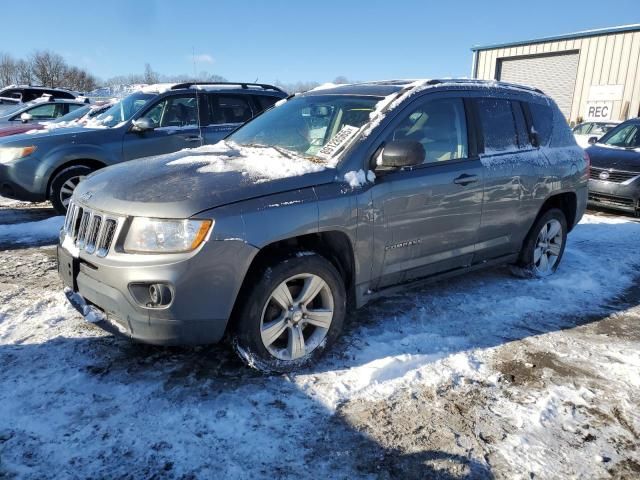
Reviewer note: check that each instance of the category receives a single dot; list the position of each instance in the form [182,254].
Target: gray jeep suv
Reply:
[332,198]
[49,164]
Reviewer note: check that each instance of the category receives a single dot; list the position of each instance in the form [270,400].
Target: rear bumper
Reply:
[615,195]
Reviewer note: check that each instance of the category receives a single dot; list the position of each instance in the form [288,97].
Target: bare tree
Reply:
[45,68]
[149,75]
[341,80]
[7,69]
[24,72]
[48,68]
[78,79]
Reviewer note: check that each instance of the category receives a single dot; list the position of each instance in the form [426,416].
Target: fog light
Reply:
[159,295]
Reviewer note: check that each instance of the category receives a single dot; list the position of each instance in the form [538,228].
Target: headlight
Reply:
[13,153]
[155,235]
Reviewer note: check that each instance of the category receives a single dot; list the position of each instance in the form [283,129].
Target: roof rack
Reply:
[243,85]
[475,81]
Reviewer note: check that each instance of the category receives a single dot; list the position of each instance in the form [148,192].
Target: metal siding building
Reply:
[591,75]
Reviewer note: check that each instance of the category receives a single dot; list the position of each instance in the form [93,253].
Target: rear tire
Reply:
[291,312]
[544,246]
[63,185]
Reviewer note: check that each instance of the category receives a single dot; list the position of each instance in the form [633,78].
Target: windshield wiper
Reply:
[285,152]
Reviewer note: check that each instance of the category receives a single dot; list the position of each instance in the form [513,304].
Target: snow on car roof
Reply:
[156,88]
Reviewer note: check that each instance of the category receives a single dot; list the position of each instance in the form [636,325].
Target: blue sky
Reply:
[292,40]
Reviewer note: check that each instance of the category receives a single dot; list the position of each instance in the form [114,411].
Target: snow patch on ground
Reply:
[8,202]
[421,341]
[32,232]
[75,401]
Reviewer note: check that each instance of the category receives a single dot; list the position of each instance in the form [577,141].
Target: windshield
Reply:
[303,125]
[12,109]
[77,113]
[623,136]
[124,109]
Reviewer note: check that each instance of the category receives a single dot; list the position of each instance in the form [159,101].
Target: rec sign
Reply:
[599,110]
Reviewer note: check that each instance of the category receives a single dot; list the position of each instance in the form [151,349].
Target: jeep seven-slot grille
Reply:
[89,230]
[611,175]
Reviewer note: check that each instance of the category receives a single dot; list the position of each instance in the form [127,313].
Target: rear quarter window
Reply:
[561,134]
[542,121]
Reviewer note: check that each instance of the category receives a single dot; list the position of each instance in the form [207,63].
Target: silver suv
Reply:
[330,199]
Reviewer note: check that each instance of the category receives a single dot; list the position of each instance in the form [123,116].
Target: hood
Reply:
[617,158]
[182,184]
[66,134]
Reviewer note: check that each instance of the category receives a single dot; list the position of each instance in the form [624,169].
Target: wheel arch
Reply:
[567,202]
[335,246]
[82,162]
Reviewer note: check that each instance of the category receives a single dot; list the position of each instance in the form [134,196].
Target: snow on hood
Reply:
[92,124]
[180,184]
[258,163]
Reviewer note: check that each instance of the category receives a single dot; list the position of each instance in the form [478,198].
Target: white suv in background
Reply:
[584,131]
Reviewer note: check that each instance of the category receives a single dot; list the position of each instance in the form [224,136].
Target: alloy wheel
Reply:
[548,248]
[297,316]
[68,188]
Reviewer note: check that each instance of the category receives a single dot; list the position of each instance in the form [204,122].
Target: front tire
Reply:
[63,185]
[544,246]
[290,313]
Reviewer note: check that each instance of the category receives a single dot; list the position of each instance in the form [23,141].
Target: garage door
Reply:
[555,75]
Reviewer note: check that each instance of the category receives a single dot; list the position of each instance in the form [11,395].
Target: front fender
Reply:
[69,154]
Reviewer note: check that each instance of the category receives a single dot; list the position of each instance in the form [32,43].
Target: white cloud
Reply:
[201,58]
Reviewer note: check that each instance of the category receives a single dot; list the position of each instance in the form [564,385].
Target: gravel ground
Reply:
[553,395]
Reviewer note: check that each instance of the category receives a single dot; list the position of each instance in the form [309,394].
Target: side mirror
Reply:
[401,153]
[26,117]
[593,140]
[142,125]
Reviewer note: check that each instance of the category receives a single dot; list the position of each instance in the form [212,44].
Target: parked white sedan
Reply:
[584,131]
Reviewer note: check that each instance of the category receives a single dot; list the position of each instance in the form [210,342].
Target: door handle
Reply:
[465,179]
[192,138]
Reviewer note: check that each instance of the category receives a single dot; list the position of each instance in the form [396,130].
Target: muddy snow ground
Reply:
[486,376]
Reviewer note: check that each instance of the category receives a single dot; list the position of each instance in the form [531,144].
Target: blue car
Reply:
[48,164]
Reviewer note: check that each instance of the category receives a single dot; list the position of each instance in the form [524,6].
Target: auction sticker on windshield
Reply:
[339,140]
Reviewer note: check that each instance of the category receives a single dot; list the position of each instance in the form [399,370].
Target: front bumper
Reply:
[19,181]
[614,195]
[205,286]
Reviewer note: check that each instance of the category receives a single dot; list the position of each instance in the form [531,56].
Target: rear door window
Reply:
[524,140]
[265,101]
[228,109]
[498,123]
